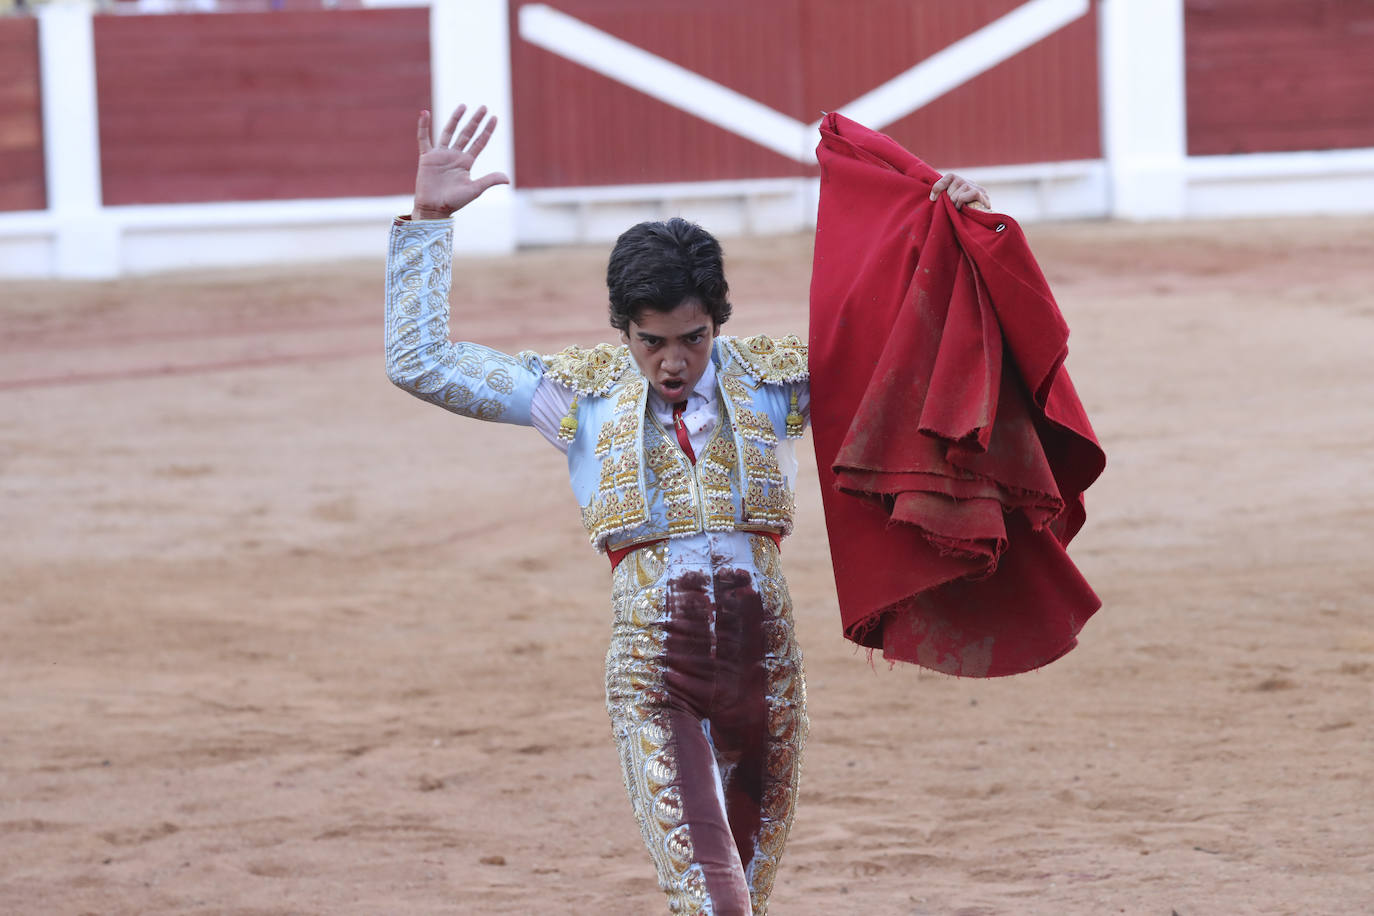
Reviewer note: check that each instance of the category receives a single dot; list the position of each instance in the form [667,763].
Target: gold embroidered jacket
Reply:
[631,479]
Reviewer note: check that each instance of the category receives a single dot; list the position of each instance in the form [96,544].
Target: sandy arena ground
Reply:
[277,638]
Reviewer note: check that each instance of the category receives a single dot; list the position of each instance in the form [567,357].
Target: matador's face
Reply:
[672,348]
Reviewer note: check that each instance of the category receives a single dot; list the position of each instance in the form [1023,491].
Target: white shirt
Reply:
[552,400]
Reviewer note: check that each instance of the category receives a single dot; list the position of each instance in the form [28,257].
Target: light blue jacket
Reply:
[631,479]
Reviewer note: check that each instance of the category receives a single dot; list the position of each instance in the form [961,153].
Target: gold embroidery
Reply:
[619,503]
[637,699]
[765,555]
[637,702]
[500,380]
[567,425]
[488,409]
[441,252]
[761,463]
[407,332]
[470,364]
[630,394]
[606,483]
[766,498]
[736,482]
[672,477]
[796,423]
[650,563]
[603,440]
[771,359]
[626,469]
[456,396]
[623,433]
[716,469]
[755,425]
[591,371]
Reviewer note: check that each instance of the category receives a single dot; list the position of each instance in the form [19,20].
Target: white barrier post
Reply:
[1144,115]
[469,53]
[86,241]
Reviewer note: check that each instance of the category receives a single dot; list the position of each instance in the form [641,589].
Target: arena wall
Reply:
[21,122]
[1269,76]
[259,106]
[794,59]
[240,137]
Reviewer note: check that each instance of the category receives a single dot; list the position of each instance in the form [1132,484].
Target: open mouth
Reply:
[672,388]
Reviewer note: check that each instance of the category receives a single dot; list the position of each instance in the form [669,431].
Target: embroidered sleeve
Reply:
[771,360]
[465,378]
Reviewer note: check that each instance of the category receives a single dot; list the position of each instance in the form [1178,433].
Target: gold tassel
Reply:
[795,421]
[567,427]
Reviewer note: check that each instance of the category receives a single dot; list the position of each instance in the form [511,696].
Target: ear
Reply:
[625,336]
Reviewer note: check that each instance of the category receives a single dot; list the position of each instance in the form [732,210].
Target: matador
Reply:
[680,454]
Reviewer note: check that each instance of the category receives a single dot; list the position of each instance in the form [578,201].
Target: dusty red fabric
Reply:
[683,439]
[953,450]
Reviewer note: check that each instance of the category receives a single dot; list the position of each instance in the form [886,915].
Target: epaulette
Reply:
[771,360]
[588,371]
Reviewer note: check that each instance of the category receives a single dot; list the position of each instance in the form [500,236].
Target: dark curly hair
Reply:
[660,265]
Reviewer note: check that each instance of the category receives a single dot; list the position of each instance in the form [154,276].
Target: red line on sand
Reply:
[139,372]
[250,362]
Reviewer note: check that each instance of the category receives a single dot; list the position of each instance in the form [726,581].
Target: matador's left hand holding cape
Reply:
[953,450]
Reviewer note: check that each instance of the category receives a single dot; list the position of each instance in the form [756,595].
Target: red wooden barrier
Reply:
[799,57]
[260,106]
[21,118]
[1274,75]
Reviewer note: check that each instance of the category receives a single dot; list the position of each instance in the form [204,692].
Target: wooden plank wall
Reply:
[1277,75]
[260,106]
[800,57]
[21,117]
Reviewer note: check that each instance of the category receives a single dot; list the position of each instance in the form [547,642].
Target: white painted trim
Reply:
[85,244]
[469,47]
[154,238]
[960,62]
[1143,109]
[227,214]
[1306,164]
[620,192]
[693,93]
[664,80]
[560,216]
[1320,182]
[1032,171]
[556,216]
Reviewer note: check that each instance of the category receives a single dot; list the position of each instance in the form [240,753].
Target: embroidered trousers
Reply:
[708,707]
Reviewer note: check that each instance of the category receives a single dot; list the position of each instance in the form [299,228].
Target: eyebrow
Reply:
[692,333]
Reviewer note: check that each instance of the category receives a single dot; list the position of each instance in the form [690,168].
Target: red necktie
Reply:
[683,439]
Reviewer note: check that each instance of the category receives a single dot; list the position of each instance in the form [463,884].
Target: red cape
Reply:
[953,450]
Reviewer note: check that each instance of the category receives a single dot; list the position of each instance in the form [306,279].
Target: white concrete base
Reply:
[1280,184]
[560,216]
[122,241]
[1046,191]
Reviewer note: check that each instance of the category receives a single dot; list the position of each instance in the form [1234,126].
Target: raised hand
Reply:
[961,191]
[443,181]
